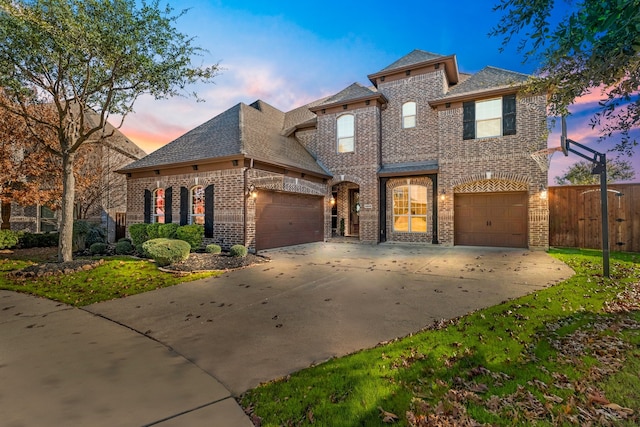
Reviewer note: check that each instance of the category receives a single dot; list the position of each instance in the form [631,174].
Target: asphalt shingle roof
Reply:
[409,167]
[254,131]
[487,78]
[414,57]
[116,139]
[352,92]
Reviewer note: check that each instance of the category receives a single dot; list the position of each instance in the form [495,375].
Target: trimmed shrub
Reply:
[213,249]
[80,230]
[167,231]
[37,240]
[124,247]
[98,248]
[153,230]
[8,239]
[238,250]
[192,234]
[96,234]
[166,251]
[125,239]
[138,233]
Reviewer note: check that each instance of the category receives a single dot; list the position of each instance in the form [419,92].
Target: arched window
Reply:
[346,133]
[196,203]
[410,208]
[158,205]
[409,115]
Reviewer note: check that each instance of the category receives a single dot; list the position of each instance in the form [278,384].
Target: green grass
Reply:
[536,360]
[118,277]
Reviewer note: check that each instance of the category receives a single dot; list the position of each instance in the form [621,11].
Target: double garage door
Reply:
[496,219]
[285,219]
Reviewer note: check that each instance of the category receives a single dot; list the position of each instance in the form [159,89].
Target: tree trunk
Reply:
[65,244]
[6,215]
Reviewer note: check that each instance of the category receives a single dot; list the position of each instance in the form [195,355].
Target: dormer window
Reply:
[346,133]
[409,115]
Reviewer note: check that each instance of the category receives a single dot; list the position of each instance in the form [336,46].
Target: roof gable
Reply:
[353,92]
[489,78]
[414,57]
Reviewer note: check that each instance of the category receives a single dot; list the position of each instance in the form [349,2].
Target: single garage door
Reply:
[495,219]
[285,219]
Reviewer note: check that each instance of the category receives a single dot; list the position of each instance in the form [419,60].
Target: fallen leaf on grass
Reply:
[387,417]
[623,412]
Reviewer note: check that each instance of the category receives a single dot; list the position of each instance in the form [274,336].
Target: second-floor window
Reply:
[489,117]
[409,115]
[158,205]
[346,133]
[197,205]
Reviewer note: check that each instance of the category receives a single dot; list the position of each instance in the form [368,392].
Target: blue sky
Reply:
[288,53]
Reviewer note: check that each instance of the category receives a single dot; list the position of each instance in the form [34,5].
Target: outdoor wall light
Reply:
[332,200]
[543,192]
[443,194]
[252,192]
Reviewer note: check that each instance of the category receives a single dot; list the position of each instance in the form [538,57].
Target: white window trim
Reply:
[192,214]
[155,214]
[414,115]
[409,215]
[488,119]
[352,136]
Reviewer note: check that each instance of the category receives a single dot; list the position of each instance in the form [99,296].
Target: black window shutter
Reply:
[184,206]
[168,200]
[468,120]
[208,211]
[509,115]
[147,206]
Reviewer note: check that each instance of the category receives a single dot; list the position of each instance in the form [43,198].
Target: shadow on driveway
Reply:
[322,300]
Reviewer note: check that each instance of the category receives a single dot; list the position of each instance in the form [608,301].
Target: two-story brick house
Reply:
[426,154]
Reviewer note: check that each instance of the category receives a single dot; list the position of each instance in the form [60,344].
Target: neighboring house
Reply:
[103,201]
[426,154]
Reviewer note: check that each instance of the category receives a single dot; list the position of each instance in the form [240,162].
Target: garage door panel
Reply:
[285,219]
[491,219]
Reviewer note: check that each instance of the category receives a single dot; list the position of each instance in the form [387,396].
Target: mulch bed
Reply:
[195,262]
[208,262]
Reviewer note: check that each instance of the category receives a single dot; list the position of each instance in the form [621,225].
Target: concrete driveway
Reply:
[322,300]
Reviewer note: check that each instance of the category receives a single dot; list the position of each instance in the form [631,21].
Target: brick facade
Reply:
[433,154]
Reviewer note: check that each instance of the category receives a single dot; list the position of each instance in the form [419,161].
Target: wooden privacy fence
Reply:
[574,217]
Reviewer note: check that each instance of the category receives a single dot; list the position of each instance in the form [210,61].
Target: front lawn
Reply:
[565,355]
[117,277]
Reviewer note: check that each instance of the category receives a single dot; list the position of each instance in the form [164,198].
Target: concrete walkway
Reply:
[310,303]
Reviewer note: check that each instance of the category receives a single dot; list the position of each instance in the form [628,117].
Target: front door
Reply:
[354,212]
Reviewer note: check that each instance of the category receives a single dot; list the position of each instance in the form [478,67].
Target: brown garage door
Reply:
[284,219]
[496,219]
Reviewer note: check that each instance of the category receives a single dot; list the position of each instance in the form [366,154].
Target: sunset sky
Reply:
[289,53]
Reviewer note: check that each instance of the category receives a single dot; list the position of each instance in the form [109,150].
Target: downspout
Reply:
[382,192]
[246,205]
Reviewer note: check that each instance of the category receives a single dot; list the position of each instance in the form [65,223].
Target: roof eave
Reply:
[468,96]
[451,68]
[181,164]
[375,96]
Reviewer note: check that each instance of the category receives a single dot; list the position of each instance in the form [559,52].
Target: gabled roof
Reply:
[251,131]
[352,93]
[489,79]
[419,58]
[416,56]
[116,140]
